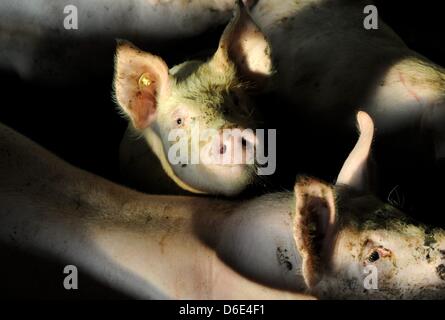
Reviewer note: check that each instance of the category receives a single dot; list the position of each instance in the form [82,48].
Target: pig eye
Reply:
[379,253]
[374,256]
[178,121]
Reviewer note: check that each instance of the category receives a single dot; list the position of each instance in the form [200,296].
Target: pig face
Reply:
[199,95]
[355,246]
[408,258]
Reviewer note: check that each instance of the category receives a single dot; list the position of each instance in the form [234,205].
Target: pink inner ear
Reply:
[143,108]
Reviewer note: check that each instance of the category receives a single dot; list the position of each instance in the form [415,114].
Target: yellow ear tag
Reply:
[144,81]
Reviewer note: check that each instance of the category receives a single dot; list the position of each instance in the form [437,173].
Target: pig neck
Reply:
[149,246]
[155,143]
[261,232]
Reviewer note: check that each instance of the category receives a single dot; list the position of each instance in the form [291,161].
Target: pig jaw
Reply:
[223,180]
[410,264]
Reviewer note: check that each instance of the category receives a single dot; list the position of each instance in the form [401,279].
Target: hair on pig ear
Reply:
[140,79]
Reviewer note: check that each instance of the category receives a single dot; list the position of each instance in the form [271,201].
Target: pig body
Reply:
[151,247]
[328,63]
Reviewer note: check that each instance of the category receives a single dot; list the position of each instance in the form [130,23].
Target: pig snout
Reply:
[234,146]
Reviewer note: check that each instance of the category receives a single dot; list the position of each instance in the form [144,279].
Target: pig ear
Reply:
[314,226]
[243,44]
[140,79]
[355,171]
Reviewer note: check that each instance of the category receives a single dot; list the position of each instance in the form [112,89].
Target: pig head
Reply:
[355,246]
[197,94]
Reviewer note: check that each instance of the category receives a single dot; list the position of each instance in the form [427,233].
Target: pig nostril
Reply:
[223,149]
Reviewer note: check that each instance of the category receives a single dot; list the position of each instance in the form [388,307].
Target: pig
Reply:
[210,94]
[314,242]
